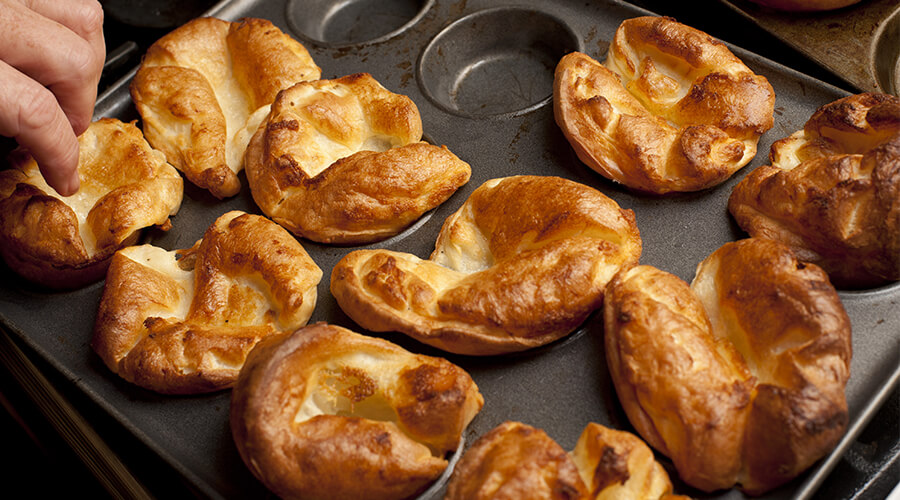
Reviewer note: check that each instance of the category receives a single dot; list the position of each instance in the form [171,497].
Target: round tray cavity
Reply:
[349,22]
[887,55]
[495,62]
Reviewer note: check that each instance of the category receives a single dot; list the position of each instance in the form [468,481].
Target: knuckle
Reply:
[82,67]
[84,64]
[90,16]
[38,108]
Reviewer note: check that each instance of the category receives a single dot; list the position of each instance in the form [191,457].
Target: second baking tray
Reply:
[859,43]
[484,91]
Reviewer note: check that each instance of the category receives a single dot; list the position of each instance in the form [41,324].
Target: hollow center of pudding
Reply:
[81,203]
[318,127]
[166,264]
[347,391]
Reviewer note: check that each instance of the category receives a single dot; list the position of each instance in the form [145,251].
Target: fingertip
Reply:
[71,182]
[79,123]
[39,125]
[62,174]
[73,185]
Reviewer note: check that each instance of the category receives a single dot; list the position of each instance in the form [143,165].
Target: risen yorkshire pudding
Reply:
[517,461]
[522,263]
[671,109]
[340,161]
[738,378]
[67,242]
[832,192]
[326,413]
[617,465]
[182,322]
[203,89]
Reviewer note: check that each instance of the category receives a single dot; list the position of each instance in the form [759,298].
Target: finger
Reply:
[54,56]
[84,17]
[30,113]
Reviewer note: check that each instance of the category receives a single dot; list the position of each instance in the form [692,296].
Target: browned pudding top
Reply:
[67,242]
[327,413]
[203,89]
[183,321]
[671,109]
[832,191]
[739,378]
[342,161]
[521,263]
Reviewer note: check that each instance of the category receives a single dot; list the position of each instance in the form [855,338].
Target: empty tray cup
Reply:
[495,62]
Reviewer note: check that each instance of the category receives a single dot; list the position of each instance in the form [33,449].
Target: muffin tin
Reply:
[481,75]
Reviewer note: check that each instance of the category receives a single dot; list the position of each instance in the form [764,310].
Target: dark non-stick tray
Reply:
[481,75]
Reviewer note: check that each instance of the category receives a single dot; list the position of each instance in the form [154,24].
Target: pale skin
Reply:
[51,57]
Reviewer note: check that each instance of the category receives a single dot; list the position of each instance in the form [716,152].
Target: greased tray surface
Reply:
[481,76]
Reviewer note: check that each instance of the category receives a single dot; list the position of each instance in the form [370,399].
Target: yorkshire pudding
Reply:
[203,89]
[671,109]
[340,161]
[67,242]
[517,461]
[521,263]
[739,377]
[182,322]
[832,192]
[326,413]
[617,465]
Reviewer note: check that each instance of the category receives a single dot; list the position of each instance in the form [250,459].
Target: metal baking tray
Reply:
[484,90]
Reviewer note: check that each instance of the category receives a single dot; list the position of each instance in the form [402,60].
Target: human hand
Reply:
[51,57]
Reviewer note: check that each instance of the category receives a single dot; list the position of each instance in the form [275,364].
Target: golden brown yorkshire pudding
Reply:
[326,413]
[522,263]
[182,322]
[805,5]
[517,461]
[203,89]
[832,192]
[617,465]
[671,109]
[67,242]
[340,161]
[740,377]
